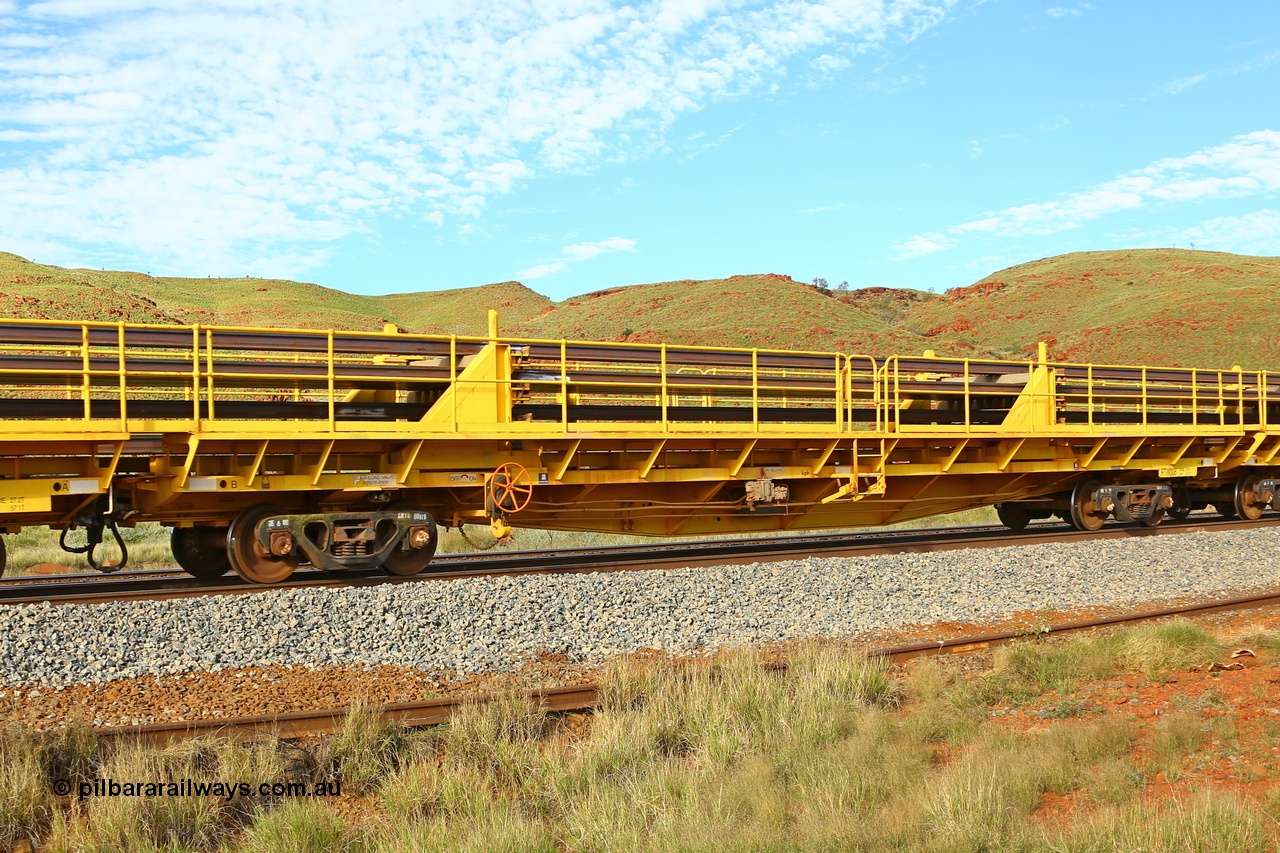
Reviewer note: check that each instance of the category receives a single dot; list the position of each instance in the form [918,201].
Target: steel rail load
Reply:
[265,449]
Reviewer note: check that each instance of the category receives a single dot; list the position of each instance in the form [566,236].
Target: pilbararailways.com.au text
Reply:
[226,790]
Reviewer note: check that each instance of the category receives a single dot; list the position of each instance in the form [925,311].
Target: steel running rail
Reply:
[585,697]
[614,558]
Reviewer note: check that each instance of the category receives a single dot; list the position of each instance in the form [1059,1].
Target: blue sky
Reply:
[577,145]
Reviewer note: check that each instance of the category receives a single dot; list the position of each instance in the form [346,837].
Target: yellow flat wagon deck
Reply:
[267,448]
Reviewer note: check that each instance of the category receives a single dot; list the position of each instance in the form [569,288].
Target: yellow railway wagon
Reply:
[267,448]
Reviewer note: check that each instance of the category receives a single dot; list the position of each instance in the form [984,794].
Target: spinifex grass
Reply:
[724,753]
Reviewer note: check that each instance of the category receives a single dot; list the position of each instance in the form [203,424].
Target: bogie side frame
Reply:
[367,434]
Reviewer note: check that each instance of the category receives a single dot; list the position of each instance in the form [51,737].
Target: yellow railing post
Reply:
[755,389]
[1262,399]
[86,379]
[1144,396]
[1222,401]
[208,358]
[663,368]
[897,397]
[1088,386]
[124,381]
[453,381]
[968,427]
[564,384]
[840,374]
[333,408]
[877,394]
[1195,400]
[195,375]
[1240,397]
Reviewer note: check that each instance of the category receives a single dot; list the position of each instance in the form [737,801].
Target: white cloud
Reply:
[1068,11]
[1248,165]
[921,244]
[828,64]
[1182,84]
[201,133]
[570,255]
[1256,233]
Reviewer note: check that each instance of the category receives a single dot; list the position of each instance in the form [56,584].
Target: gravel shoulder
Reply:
[290,649]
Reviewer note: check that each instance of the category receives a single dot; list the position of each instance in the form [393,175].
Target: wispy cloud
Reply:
[1251,233]
[215,133]
[1068,11]
[827,208]
[1182,84]
[576,253]
[1248,165]
[921,244]
[698,144]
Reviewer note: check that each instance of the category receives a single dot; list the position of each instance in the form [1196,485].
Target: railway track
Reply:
[163,584]
[584,697]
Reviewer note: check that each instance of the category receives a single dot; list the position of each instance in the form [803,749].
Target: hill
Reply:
[35,291]
[1148,306]
[768,311]
[1152,306]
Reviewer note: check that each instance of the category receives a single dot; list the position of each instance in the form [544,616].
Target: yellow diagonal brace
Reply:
[193,444]
[1228,450]
[653,457]
[1271,454]
[742,457]
[1182,451]
[887,446]
[822,458]
[955,454]
[1092,454]
[250,473]
[1008,457]
[1133,451]
[410,458]
[324,460]
[563,467]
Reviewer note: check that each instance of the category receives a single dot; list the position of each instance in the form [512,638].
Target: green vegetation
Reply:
[1117,307]
[1105,307]
[34,291]
[833,753]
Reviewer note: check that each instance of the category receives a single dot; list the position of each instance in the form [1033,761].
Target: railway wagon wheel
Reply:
[247,557]
[411,561]
[1013,516]
[4,556]
[1085,514]
[510,487]
[201,551]
[1246,504]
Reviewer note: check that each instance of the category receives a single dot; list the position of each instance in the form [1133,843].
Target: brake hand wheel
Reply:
[510,487]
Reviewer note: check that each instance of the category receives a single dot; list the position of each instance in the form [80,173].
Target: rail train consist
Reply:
[265,449]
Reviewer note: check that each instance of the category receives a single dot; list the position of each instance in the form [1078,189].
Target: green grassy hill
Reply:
[36,291]
[1152,306]
[768,311]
